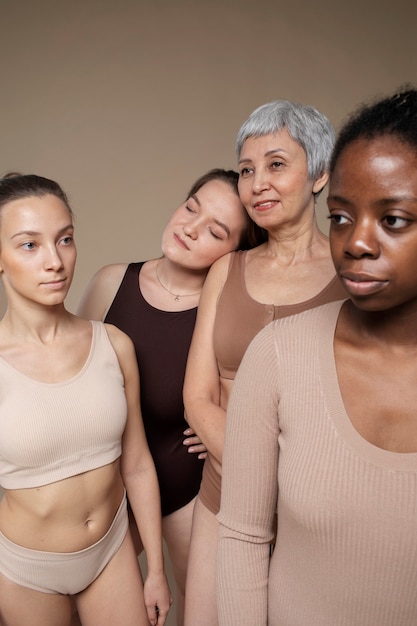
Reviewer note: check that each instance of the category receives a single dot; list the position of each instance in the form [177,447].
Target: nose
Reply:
[363,240]
[260,180]
[52,259]
[191,229]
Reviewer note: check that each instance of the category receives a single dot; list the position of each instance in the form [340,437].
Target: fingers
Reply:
[156,616]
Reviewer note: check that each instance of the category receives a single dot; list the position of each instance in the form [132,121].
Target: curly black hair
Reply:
[393,115]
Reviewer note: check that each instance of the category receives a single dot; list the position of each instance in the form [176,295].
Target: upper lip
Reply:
[54,280]
[181,240]
[361,277]
[265,201]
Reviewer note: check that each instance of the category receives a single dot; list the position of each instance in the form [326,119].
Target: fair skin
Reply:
[37,259]
[292,266]
[373,211]
[205,227]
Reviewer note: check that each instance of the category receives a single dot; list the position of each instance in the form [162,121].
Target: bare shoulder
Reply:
[124,349]
[101,290]
[110,276]
[219,270]
[119,339]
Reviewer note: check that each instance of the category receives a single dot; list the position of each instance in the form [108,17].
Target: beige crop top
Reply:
[51,431]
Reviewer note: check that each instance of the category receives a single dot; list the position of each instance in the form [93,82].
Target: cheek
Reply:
[244,191]
[336,248]
[72,256]
[225,247]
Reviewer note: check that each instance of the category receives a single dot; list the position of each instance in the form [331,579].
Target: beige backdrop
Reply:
[125,102]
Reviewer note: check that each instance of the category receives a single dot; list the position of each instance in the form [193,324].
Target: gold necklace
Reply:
[177,296]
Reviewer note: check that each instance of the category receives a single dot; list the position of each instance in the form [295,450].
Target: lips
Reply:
[55,284]
[362,284]
[181,241]
[264,205]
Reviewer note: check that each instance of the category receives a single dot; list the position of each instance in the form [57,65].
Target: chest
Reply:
[280,284]
[379,393]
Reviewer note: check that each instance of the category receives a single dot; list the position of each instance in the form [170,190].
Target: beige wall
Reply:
[125,102]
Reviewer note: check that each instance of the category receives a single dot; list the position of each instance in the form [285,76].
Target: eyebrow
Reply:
[34,233]
[267,154]
[384,201]
[218,222]
[395,199]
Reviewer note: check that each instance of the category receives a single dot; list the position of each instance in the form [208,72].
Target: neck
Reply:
[394,327]
[35,324]
[179,281]
[297,244]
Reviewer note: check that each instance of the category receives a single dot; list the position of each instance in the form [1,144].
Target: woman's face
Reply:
[274,185]
[205,227]
[373,233]
[37,250]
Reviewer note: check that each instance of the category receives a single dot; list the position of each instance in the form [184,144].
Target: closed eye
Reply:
[214,234]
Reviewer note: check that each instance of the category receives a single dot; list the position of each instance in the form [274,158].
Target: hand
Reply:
[158,598]
[195,444]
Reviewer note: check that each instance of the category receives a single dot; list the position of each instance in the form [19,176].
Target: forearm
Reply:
[208,420]
[144,498]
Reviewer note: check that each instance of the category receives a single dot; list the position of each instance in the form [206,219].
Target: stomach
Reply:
[65,516]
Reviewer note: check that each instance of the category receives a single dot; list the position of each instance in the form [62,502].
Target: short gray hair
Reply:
[305,125]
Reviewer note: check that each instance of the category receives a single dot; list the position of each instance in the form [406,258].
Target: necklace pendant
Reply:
[176,298]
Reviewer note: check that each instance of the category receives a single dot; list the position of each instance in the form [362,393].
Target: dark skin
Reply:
[373,236]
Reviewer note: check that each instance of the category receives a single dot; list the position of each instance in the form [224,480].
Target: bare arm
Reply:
[140,479]
[100,292]
[201,385]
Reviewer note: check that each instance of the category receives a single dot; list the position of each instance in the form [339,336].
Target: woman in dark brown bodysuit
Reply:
[155,303]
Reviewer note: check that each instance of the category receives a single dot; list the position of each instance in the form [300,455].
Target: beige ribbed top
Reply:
[346,548]
[50,431]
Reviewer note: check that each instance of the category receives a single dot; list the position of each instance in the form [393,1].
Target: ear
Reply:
[320,182]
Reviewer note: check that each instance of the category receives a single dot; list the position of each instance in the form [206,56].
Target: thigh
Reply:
[115,598]
[176,530]
[177,534]
[200,590]
[20,605]
[134,532]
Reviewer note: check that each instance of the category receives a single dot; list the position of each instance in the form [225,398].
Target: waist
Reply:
[211,483]
[64,516]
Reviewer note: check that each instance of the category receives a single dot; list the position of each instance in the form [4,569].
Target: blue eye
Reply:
[28,245]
